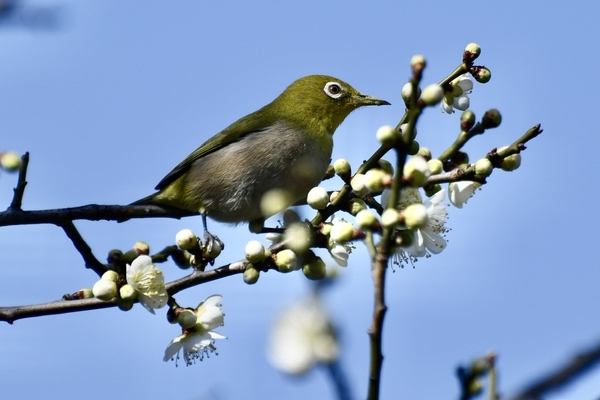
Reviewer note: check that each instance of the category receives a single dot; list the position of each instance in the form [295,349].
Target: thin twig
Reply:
[19,190]
[82,247]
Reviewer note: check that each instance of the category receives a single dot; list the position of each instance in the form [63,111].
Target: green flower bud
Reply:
[10,161]
[414,148]
[317,198]
[460,158]
[255,251]
[251,275]
[181,258]
[474,50]
[475,387]
[104,289]
[187,318]
[110,276]
[511,162]
[435,166]
[357,205]
[467,120]
[386,134]
[115,256]
[386,166]
[186,239]
[142,248]
[342,232]
[416,171]
[214,251]
[491,119]
[124,305]
[365,219]
[390,218]
[481,74]
[415,216]
[129,256]
[432,94]
[374,180]
[86,293]
[431,190]
[128,293]
[424,152]
[314,269]
[341,167]
[286,261]
[483,168]
[405,238]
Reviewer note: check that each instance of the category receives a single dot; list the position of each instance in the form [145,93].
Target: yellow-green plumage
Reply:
[285,145]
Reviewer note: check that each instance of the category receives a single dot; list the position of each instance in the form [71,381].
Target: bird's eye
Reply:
[333,89]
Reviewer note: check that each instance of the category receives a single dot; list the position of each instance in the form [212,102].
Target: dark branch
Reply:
[15,205]
[82,247]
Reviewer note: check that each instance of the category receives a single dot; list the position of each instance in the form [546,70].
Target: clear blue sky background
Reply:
[109,103]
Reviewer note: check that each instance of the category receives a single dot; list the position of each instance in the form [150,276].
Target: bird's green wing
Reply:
[250,124]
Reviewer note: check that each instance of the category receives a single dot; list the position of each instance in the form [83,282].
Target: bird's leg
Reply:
[210,240]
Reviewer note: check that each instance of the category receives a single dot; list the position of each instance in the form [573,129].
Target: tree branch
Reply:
[82,247]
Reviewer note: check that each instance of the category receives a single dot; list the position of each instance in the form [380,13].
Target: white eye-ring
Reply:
[333,90]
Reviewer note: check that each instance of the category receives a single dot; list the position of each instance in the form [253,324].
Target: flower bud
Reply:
[251,275]
[374,180]
[314,269]
[104,289]
[511,162]
[386,134]
[326,228]
[10,161]
[365,219]
[390,218]
[290,217]
[255,251]
[435,166]
[341,166]
[432,94]
[181,258]
[430,190]
[297,236]
[415,216]
[333,196]
[357,205]
[124,305]
[404,128]
[186,239]
[342,232]
[491,119]
[110,276]
[467,120]
[405,238]
[414,148]
[358,184]
[418,62]
[317,198]
[406,92]
[481,74]
[483,168]
[187,318]
[128,293]
[474,50]
[214,251]
[86,293]
[286,261]
[424,152]
[141,248]
[416,171]
[386,166]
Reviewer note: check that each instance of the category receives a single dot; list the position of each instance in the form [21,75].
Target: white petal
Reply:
[462,103]
[215,335]
[434,242]
[447,108]
[173,348]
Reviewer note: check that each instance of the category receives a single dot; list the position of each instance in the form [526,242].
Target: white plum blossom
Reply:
[149,282]
[429,237]
[199,340]
[460,192]
[462,86]
[339,253]
[302,336]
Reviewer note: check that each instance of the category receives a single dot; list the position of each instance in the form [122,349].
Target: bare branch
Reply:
[82,247]
[15,205]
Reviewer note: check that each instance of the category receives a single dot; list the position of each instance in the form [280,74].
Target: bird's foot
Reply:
[212,247]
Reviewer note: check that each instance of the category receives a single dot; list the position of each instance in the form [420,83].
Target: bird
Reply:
[286,146]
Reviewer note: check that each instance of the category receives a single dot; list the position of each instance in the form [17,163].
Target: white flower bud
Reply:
[186,239]
[386,134]
[390,218]
[432,94]
[110,276]
[342,232]
[435,166]
[128,293]
[104,289]
[255,251]
[141,248]
[483,167]
[10,161]
[297,237]
[474,49]
[404,128]
[358,184]
[416,171]
[286,261]
[366,219]
[374,180]
[357,205]
[341,166]
[317,198]
[415,216]
[187,319]
[417,59]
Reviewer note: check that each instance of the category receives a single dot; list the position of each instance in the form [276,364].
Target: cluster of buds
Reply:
[191,252]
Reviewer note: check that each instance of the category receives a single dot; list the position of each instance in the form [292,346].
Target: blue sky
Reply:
[110,102]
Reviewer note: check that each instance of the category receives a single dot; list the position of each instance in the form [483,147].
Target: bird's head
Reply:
[322,100]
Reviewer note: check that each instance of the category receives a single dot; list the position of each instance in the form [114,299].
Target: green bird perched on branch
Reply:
[285,146]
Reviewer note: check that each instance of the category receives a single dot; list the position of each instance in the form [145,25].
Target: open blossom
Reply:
[460,192]
[429,237]
[302,336]
[339,253]
[462,86]
[199,340]
[148,281]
